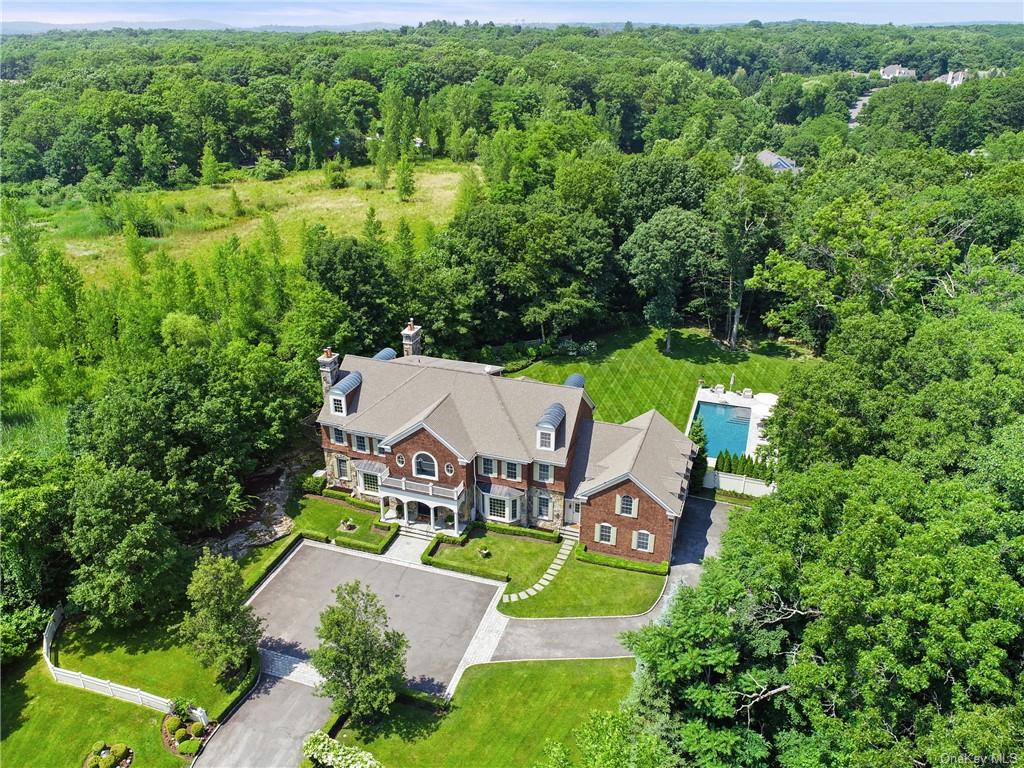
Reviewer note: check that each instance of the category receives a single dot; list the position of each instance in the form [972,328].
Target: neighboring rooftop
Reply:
[776,162]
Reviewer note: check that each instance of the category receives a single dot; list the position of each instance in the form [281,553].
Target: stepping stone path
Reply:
[549,574]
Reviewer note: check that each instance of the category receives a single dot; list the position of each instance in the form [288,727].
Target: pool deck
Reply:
[760,405]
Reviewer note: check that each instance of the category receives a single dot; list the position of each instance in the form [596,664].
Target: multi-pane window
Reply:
[371,482]
[604,533]
[543,507]
[338,405]
[627,506]
[545,440]
[342,466]
[496,507]
[544,472]
[487,466]
[511,471]
[359,442]
[643,541]
[337,436]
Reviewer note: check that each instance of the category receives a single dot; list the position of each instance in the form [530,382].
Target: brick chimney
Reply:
[412,342]
[329,368]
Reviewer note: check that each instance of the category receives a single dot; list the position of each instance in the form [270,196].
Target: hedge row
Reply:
[365,546]
[422,698]
[518,530]
[342,496]
[293,538]
[586,556]
[427,558]
[243,688]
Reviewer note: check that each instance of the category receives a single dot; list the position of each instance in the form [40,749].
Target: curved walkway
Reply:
[552,571]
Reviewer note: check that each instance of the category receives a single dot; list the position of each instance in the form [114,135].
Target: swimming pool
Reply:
[726,427]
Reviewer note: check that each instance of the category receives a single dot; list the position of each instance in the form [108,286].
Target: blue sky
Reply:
[310,12]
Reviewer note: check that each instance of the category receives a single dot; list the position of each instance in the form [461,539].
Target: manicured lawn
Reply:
[586,589]
[312,514]
[45,725]
[152,658]
[524,559]
[631,373]
[501,715]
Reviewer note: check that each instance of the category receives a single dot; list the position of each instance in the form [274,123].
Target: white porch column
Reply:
[382,508]
[405,511]
[431,518]
[456,511]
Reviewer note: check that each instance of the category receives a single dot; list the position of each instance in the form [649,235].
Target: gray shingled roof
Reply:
[649,450]
[474,412]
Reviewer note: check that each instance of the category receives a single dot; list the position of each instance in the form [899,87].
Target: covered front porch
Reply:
[422,506]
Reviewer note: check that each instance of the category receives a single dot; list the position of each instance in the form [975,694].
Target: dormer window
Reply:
[545,440]
[338,405]
[548,425]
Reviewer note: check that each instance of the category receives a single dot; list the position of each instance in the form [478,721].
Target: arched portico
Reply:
[419,505]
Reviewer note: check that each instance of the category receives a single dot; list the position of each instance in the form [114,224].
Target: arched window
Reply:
[424,465]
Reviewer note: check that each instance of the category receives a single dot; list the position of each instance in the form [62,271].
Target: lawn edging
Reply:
[427,558]
[350,499]
[595,558]
[363,546]
[295,539]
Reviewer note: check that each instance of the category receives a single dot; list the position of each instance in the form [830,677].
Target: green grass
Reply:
[586,589]
[45,724]
[501,715]
[151,658]
[717,494]
[297,200]
[311,515]
[524,559]
[631,373]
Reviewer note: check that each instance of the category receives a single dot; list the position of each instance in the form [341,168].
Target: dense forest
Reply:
[869,613]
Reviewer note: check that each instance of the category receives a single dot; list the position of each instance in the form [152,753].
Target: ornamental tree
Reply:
[220,627]
[361,660]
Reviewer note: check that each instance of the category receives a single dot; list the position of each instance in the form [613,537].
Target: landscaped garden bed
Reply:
[103,755]
[524,559]
[182,735]
[610,561]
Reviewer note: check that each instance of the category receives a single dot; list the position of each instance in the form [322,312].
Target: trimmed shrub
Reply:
[93,761]
[312,484]
[196,729]
[190,747]
[181,707]
[98,747]
[342,496]
[119,752]
[586,556]
[181,735]
[481,570]
[254,581]
[173,723]
[108,762]
[363,546]
[519,530]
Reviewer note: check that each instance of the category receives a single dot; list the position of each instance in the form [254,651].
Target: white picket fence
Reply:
[727,481]
[95,684]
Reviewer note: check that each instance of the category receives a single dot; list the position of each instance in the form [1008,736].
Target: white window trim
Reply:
[334,406]
[339,461]
[650,541]
[536,472]
[597,534]
[355,443]
[634,512]
[337,435]
[543,497]
[509,502]
[449,466]
[416,472]
[400,460]
[519,474]
[550,434]
[494,467]
[362,483]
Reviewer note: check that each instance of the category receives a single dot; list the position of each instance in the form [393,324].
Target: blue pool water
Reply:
[726,427]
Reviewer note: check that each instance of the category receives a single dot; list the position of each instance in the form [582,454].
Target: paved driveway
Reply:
[268,729]
[700,536]
[438,612]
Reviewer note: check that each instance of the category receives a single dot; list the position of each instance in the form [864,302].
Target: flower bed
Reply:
[184,736]
[103,755]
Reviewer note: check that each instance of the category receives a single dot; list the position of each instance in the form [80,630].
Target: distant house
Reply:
[953,79]
[897,72]
[777,163]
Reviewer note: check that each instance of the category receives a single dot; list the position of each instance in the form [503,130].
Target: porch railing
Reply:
[425,489]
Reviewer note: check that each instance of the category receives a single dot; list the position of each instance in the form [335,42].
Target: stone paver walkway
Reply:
[289,667]
[563,554]
[407,548]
